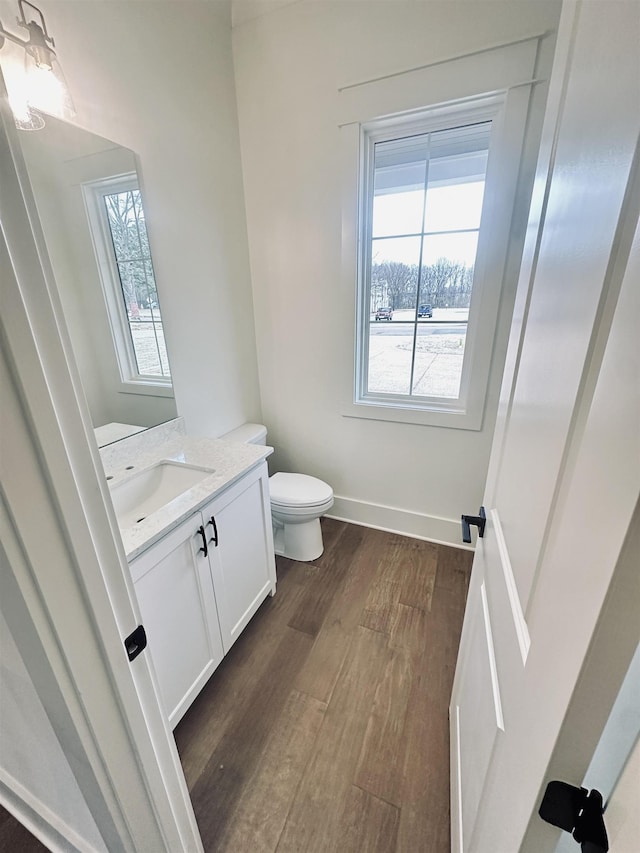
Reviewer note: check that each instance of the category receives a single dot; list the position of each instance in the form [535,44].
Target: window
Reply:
[422,203]
[117,221]
[437,162]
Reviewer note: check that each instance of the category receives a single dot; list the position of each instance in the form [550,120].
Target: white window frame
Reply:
[382,131]
[501,81]
[131,381]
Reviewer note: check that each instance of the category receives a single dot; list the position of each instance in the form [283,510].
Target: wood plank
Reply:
[207,720]
[382,598]
[410,631]
[322,587]
[296,572]
[407,576]
[265,800]
[417,566]
[381,762]
[368,825]
[16,838]
[424,817]
[319,675]
[232,763]
[454,571]
[425,792]
[313,823]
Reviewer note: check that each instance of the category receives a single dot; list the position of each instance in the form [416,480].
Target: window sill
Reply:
[447,418]
[147,389]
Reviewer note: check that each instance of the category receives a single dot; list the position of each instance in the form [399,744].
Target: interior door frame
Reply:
[74,593]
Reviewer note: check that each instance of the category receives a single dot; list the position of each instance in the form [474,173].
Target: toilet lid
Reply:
[298,490]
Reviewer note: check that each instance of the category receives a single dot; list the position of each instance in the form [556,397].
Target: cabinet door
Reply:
[175,593]
[242,560]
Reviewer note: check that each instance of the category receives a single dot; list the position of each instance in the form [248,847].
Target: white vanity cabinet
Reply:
[241,555]
[175,593]
[195,600]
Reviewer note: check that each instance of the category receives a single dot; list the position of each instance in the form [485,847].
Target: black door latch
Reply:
[576,811]
[136,642]
[478,520]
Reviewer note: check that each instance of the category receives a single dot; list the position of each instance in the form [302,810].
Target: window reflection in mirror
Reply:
[117,222]
[67,167]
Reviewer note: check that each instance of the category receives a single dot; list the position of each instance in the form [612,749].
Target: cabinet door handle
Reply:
[204,548]
[214,538]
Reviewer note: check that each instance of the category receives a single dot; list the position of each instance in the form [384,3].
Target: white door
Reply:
[564,475]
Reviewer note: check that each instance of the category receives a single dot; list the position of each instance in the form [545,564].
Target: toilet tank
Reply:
[247,434]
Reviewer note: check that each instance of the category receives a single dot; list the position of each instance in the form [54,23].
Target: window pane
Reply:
[430,186]
[123,225]
[402,250]
[145,344]
[447,273]
[398,213]
[126,220]
[394,272]
[400,173]
[446,284]
[457,248]
[140,221]
[390,354]
[438,361]
[454,207]
[394,282]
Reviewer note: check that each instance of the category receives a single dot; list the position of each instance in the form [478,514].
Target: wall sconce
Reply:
[39,85]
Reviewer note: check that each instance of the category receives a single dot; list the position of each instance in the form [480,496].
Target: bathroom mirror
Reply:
[92,215]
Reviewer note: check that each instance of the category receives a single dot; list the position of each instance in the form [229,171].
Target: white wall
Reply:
[289,66]
[157,77]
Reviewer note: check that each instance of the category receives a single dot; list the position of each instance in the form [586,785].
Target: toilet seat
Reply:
[299,513]
[298,491]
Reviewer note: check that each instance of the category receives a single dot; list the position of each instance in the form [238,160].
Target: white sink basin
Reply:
[152,488]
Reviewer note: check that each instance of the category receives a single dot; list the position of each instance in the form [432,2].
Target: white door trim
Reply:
[72,577]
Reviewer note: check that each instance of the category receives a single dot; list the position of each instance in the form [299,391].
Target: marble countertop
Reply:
[228,459]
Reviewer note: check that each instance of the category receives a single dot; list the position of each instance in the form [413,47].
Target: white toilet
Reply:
[297,502]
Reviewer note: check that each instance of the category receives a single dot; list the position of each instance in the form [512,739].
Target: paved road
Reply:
[385,327]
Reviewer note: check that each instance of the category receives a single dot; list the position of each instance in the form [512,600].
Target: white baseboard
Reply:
[443,531]
[41,822]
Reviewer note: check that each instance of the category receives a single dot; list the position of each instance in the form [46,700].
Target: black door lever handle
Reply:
[478,520]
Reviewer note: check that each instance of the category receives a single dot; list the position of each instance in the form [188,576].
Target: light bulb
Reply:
[46,87]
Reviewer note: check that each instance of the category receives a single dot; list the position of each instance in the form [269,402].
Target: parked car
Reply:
[384,314]
[425,311]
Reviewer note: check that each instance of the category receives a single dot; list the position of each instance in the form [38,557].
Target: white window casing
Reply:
[131,380]
[506,108]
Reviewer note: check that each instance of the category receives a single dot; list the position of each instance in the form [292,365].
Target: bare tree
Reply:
[130,242]
[394,282]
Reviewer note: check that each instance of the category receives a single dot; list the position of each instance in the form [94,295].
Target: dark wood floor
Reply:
[15,838]
[326,727]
